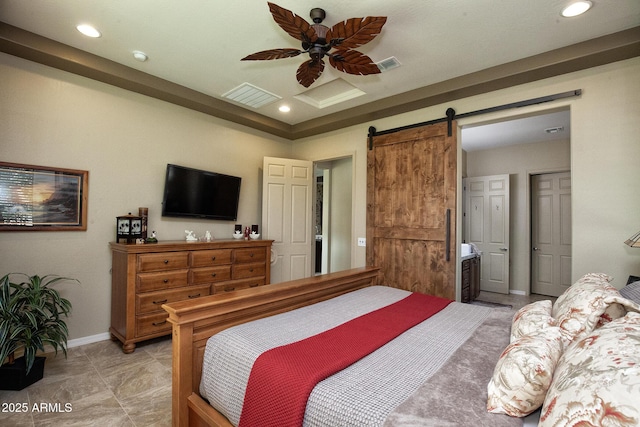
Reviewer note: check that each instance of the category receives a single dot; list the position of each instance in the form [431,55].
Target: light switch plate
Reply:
[362,241]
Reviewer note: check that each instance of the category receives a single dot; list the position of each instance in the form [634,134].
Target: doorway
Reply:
[520,145]
[333,215]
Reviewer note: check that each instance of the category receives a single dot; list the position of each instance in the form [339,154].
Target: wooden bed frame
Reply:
[196,320]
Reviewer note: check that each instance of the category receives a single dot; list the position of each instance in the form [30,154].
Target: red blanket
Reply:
[282,378]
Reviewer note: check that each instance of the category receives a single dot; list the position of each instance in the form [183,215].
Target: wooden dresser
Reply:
[143,277]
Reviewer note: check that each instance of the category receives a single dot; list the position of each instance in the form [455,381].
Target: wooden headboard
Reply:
[194,321]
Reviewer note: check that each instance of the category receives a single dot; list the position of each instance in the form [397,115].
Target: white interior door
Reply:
[287,198]
[551,233]
[486,223]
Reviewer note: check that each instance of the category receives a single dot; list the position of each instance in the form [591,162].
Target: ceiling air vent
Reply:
[250,95]
[388,64]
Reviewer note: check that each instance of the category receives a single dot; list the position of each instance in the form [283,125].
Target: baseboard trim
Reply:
[88,340]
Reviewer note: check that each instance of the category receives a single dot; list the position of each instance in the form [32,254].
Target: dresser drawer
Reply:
[210,258]
[152,324]
[152,301]
[236,285]
[249,255]
[210,274]
[163,261]
[243,271]
[162,280]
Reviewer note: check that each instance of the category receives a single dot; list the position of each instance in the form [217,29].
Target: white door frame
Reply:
[352,240]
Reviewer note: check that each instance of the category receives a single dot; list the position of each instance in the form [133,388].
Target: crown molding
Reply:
[599,51]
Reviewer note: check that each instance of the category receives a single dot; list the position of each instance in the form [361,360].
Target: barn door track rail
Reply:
[451,113]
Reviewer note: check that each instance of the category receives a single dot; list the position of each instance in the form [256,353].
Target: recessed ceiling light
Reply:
[140,56]
[576,8]
[88,30]
[284,109]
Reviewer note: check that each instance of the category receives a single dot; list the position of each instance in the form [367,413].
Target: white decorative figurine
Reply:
[207,236]
[190,236]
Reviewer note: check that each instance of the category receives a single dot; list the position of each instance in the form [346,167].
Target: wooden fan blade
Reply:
[356,31]
[294,25]
[309,72]
[353,62]
[272,54]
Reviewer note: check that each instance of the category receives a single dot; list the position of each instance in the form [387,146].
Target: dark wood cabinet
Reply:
[470,279]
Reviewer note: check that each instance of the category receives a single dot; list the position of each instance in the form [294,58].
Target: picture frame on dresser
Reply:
[42,198]
[144,277]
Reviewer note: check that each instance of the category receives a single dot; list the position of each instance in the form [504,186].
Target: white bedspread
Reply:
[363,394]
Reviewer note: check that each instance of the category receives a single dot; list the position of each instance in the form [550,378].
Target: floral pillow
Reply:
[531,318]
[524,372]
[597,380]
[588,304]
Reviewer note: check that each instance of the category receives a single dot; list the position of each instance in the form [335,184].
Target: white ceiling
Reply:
[522,130]
[199,43]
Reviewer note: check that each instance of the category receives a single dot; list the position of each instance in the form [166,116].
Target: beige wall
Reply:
[53,118]
[519,161]
[605,148]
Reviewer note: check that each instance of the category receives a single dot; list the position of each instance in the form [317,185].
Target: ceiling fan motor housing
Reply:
[317,15]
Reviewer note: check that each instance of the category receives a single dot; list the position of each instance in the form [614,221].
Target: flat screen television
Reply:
[197,193]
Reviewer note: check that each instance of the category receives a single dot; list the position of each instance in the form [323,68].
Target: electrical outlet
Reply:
[362,241]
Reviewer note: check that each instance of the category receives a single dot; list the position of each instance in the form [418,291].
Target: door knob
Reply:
[536,249]
[504,249]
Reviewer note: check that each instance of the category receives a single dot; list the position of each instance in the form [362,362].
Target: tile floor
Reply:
[106,387]
[102,385]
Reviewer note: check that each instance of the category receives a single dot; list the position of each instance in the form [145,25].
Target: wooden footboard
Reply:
[196,320]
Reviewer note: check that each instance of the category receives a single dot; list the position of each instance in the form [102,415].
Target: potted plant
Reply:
[31,314]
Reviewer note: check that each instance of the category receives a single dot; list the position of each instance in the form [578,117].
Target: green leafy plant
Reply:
[31,314]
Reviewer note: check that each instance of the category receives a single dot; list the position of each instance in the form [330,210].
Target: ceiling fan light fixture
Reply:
[576,8]
[284,109]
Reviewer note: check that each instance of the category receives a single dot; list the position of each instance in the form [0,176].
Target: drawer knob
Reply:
[166,261]
[251,255]
[160,302]
[194,296]
[213,258]
[213,274]
[251,270]
[166,280]
[159,323]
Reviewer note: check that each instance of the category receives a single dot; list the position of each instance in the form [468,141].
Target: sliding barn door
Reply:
[411,209]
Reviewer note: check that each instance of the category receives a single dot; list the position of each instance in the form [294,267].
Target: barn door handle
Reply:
[448,235]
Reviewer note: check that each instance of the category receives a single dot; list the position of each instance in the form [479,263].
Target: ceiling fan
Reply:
[337,43]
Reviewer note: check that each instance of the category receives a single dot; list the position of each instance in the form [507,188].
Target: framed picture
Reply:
[40,198]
